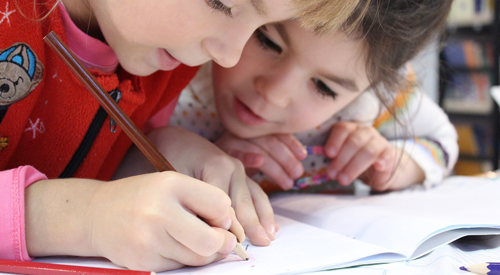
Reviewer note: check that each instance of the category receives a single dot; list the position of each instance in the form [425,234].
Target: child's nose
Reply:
[226,51]
[273,90]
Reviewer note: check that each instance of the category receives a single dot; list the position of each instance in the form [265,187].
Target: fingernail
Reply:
[272,232]
[302,152]
[263,234]
[288,184]
[343,179]
[330,151]
[297,171]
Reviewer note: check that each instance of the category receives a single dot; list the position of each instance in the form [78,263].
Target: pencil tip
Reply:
[463,268]
[240,251]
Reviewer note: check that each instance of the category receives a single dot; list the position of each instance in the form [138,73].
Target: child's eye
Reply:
[323,89]
[267,43]
[219,6]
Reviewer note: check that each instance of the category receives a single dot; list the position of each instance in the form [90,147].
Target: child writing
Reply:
[333,90]
[58,147]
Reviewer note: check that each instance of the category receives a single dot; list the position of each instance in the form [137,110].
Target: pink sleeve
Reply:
[161,118]
[12,184]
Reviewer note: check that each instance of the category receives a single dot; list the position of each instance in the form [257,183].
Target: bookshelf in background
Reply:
[468,69]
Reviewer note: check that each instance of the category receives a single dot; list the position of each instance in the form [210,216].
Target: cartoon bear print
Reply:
[20,72]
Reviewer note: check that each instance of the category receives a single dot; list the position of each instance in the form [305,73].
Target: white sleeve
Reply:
[428,136]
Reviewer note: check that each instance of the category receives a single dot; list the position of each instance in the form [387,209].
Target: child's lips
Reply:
[167,62]
[245,114]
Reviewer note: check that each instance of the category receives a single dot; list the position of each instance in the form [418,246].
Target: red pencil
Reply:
[35,268]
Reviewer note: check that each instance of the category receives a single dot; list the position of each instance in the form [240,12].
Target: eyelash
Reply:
[323,89]
[268,44]
[219,6]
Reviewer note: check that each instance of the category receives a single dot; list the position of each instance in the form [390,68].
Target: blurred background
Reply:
[459,72]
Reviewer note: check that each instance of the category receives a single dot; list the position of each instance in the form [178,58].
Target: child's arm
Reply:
[197,157]
[147,222]
[429,138]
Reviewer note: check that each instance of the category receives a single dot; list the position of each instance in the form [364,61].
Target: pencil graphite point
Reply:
[240,251]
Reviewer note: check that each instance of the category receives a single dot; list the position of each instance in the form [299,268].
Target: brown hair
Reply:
[325,16]
[394,32]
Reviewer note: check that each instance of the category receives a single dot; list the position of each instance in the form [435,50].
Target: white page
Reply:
[445,260]
[399,221]
[298,248]
[302,248]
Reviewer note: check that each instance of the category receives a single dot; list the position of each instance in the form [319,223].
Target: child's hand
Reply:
[146,222]
[195,156]
[362,152]
[153,221]
[277,156]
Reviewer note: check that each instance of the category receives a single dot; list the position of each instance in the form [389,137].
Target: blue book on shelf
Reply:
[453,54]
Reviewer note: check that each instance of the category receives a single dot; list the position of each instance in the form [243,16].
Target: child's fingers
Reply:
[338,135]
[249,159]
[196,234]
[248,153]
[282,155]
[275,172]
[263,208]
[214,206]
[386,160]
[354,143]
[377,180]
[295,146]
[220,170]
[175,254]
[209,202]
[218,201]
[365,157]
[246,211]
[150,214]
[236,228]
[380,180]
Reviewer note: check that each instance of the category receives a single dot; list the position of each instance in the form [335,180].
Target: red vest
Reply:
[45,111]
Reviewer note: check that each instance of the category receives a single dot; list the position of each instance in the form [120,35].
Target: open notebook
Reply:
[319,232]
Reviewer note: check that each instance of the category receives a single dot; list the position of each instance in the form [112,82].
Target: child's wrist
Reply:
[57,218]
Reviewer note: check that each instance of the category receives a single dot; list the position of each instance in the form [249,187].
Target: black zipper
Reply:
[89,137]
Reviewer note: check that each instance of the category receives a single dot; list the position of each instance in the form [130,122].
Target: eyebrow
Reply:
[344,82]
[259,7]
[347,83]
[282,32]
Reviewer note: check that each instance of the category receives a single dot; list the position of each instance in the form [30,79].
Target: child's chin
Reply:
[139,69]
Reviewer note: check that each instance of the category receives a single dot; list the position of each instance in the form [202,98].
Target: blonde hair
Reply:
[34,13]
[324,16]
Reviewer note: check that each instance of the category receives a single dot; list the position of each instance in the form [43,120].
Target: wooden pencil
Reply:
[112,108]
[107,102]
[488,268]
[36,268]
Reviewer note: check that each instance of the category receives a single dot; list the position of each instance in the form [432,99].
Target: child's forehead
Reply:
[292,32]
[272,8]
